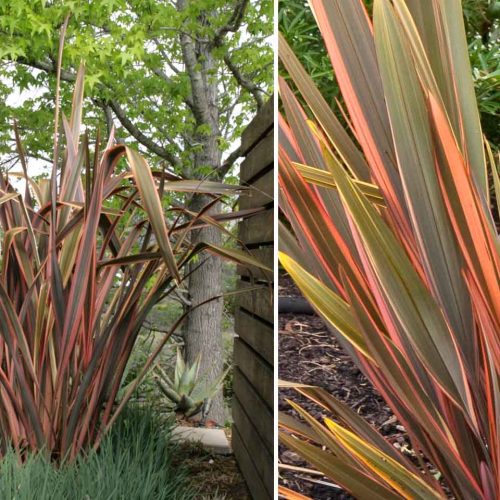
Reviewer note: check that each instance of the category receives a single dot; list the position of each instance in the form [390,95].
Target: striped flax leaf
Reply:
[405,271]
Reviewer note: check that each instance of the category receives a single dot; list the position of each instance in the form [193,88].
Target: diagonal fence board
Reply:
[259,160]
[247,465]
[258,300]
[255,445]
[260,192]
[255,369]
[262,416]
[256,333]
[258,127]
[253,440]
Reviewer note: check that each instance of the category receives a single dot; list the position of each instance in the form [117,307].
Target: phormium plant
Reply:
[77,278]
[391,238]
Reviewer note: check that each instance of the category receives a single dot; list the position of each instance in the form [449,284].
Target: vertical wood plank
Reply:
[253,440]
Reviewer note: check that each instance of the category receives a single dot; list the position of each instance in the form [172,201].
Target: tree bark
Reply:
[203,327]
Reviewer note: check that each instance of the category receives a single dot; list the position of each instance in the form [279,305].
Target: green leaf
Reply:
[355,481]
[408,485]
[328,304]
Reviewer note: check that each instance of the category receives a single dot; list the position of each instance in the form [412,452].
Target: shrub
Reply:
[188,391]
[85,256]
[394,243]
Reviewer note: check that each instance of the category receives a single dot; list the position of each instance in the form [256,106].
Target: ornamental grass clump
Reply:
[85,255]
[391,237]
[136,460]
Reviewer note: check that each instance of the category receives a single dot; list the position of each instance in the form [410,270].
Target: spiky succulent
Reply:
[188,391]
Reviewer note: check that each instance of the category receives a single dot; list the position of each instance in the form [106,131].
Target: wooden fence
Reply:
[252,433]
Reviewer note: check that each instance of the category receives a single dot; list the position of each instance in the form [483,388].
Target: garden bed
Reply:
[138,459]
[217,476]
[310,354]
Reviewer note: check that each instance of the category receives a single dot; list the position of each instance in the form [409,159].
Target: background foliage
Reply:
[297,24]
[133,64]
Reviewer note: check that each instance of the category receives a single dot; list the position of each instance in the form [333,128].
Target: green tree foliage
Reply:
[297,24]
[483,30]
[135,70]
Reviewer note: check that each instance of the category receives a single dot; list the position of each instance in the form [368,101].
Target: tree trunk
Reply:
[203,327]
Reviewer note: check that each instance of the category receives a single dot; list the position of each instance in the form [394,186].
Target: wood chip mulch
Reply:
[310,354]
[217,476]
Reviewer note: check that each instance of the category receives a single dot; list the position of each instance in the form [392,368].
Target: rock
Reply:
[213,440]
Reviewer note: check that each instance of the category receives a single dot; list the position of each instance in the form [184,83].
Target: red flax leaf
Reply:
[423,321]
[152,205]
[473,226]
[354,61]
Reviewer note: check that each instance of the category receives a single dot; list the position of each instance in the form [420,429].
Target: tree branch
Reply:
[69,76]
[47,66]
[244,82]
[233,23]
[108,116]
[228,113]
[226,166]
[140,137]
[198,93]
[108,113]
[161,74]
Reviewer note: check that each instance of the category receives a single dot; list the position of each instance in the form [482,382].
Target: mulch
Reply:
[310,354]
[217,476]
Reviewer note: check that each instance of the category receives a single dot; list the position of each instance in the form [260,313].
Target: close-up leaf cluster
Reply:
[390,234]
[297,24]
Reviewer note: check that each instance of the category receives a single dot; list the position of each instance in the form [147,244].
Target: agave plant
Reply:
[391,237]
[85,256]
[188,391]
